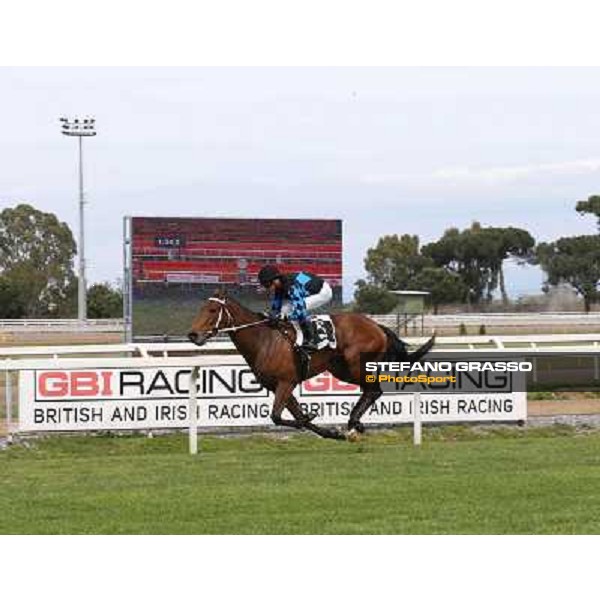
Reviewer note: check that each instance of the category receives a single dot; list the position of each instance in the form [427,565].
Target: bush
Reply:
[373,299]
[104,302]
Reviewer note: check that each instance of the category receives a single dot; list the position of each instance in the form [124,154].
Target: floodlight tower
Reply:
[80,128]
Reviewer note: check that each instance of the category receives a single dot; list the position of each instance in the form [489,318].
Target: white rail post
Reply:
[8,389]
[193,411]
[417,418]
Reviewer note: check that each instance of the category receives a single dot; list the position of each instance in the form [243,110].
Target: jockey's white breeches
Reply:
[312,302]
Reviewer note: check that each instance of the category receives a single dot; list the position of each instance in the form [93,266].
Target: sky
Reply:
[388,150]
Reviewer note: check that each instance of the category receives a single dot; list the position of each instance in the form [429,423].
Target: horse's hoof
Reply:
[352,435]
[335,434]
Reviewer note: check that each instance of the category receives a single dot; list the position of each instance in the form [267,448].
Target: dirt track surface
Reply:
[563,407]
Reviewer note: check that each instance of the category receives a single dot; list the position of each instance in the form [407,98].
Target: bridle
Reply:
[224,310]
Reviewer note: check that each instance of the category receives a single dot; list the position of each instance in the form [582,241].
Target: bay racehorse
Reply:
[270,352]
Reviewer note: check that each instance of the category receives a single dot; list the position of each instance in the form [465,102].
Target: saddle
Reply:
[325,335]
[324,332]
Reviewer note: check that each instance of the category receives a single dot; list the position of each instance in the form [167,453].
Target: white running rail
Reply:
[187,354]
[510,343]
[60,324]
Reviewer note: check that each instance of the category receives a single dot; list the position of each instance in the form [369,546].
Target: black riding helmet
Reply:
[267,274]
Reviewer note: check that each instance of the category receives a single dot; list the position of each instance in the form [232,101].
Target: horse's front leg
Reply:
[285,399]
[294,407]
[282,392]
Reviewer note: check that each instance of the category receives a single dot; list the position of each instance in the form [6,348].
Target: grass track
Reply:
[461,481]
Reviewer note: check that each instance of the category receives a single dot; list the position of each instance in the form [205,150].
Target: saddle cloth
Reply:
[325,332]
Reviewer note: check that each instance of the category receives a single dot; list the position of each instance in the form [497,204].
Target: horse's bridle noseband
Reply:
[224,309]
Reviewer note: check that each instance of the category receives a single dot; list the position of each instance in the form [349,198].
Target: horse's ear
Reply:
[219,293]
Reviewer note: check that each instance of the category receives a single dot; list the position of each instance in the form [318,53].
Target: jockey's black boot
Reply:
[310,335]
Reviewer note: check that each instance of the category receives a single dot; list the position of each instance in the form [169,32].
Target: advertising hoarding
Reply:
[229,396]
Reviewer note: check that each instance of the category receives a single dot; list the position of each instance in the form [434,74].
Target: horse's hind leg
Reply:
[347,368]
[366,400]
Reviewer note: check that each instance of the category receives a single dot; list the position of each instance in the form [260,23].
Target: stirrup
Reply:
[309,347]
[309,343]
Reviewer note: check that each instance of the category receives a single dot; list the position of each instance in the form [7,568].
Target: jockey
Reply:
[294,295]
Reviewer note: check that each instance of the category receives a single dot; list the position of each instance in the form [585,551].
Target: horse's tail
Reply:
[422,350]
[397,349]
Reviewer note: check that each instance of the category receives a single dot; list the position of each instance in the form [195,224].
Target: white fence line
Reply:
[193,412]
[588,341]
[417,419]
[10,366]
[101,325]
[447,320]
[430,320]
[132,348]
[188,355]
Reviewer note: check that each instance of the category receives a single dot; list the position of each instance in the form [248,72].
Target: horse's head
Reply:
[214,314]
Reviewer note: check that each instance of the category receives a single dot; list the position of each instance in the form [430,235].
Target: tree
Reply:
[461,265]
[467,254]
[590,206]
[12,305]
[477,254]
[36,257]
[104,301]
[510,242]
[443,286]
[373,299]
[394,261]
[573,260]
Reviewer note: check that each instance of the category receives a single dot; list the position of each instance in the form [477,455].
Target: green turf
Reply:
[461,480]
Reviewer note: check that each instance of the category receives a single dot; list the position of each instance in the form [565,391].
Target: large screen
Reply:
[173,264]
